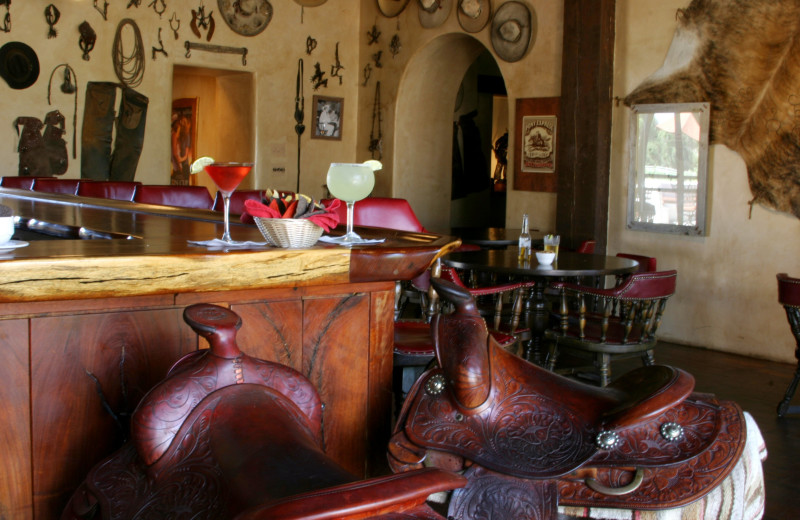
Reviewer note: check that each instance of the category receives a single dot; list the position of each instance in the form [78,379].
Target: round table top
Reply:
[490,236]
[569,264]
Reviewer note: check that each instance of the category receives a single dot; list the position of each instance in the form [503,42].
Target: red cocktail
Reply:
[227,176]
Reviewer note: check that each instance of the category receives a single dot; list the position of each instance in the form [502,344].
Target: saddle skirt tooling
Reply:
[530,440]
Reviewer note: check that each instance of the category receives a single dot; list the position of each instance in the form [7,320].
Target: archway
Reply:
[423,151]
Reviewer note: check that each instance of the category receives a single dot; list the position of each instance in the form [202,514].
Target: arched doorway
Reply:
[423,151]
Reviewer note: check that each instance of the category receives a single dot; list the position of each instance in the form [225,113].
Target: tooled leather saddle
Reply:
[529,440]
[226,435]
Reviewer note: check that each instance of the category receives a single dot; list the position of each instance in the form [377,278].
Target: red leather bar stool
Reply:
[20,183]
[193,197]
[53,185]
[114,190]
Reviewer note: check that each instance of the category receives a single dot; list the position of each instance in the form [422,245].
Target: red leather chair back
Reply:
[648,285]
[115,190]
[195,197]
[587,247]
[646,263]
[237,200]
[20,183]
[385,212]
[51,185]
[788,290]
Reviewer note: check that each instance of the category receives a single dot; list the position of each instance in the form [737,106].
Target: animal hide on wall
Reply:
[742,56]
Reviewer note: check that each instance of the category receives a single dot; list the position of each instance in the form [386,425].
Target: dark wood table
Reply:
[491,237]
[568,265]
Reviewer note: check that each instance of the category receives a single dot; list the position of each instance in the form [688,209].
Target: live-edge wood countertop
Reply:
[157,258]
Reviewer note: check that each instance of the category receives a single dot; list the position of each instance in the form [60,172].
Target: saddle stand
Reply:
[230,436]
[529,440]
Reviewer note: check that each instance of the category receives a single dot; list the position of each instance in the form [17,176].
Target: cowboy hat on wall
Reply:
[513,30]
[473,15]
[433,13]
[391,8]
[246,17]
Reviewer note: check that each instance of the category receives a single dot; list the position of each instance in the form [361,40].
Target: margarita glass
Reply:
[351,182]
[227,177]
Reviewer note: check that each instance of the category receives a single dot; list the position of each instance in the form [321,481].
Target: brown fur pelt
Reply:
[742,56]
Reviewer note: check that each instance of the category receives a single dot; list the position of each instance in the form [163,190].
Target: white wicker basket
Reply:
[289,232]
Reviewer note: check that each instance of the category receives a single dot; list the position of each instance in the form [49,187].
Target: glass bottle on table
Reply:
[524,240]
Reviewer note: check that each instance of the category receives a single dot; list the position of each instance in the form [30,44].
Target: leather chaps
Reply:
[98,160]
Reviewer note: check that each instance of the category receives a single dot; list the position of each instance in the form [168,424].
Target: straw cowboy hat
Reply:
[433,13]
[391,8]
[19,65]
[473,15]
[513,30]
[310,3]
[246,17]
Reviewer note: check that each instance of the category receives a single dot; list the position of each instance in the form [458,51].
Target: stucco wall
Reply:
[272,58]
[727,293]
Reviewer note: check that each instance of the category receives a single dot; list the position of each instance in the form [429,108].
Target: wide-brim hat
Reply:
[391,8]
[433,13]
[513,30]
[473,15]
[310,3]
[246,17]
[19,65]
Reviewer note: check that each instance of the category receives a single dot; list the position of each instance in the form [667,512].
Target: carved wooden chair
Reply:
[230,436]
[789,297]
[531,442]
[597,331]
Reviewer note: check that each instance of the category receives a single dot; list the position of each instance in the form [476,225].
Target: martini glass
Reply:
[227,177]
[351,182]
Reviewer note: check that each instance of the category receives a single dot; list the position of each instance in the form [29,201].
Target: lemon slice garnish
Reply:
[200,164]
[375,165]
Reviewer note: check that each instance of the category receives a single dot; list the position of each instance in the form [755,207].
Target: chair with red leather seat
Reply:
[20,183]
[237,200]
[789,297]
[602,333]
[385,212]
[53,185]
[192,197]
[587,247]
[226,435]
[113,190]
[646,263]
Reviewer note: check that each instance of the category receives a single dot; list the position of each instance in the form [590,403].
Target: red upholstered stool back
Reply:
[789,297]
[195,197]
[788,290]
[51,185]
[385,212]
[20,183]
[115,190]
[237,200]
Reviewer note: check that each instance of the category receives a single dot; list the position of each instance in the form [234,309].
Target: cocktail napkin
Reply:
[364,241]
[217,243]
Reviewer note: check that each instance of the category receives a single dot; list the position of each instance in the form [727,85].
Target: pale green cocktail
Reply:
[351,182]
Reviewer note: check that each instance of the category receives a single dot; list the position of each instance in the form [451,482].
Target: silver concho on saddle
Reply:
[529,440]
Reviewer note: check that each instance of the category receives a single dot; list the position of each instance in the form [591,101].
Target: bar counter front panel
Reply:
[87,327]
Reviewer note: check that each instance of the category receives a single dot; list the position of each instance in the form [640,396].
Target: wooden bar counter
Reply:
[87,326]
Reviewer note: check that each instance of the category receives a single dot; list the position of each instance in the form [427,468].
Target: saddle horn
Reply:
[464,335]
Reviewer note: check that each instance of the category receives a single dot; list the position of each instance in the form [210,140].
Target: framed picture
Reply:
[536,133]
[183,139]
[327,118]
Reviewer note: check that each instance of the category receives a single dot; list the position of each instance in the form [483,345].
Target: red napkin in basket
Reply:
[327,219]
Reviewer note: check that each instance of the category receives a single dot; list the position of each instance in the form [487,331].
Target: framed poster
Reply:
[183,139]
[535,150]
[327,118]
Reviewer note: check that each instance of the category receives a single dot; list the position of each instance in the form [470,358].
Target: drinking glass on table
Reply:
[227,177]
[551,243]
[351,182]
